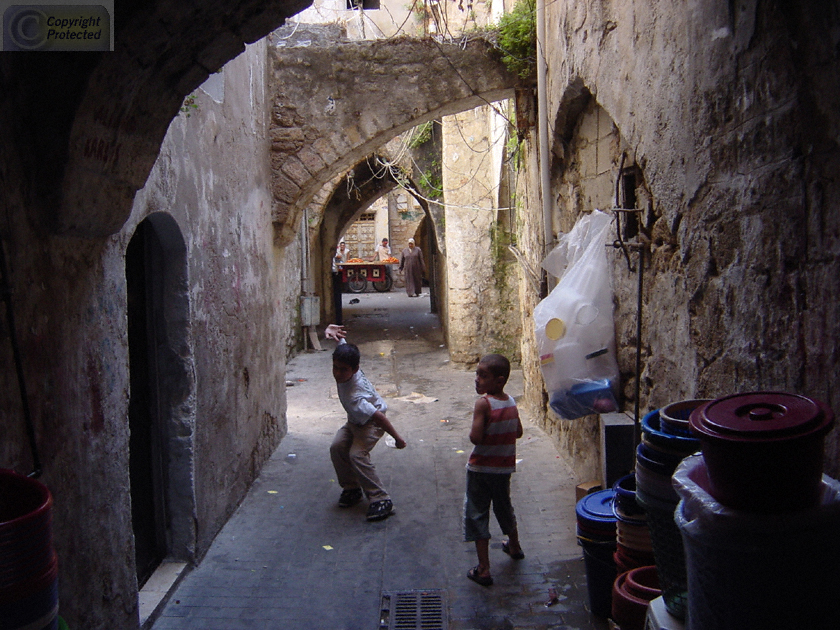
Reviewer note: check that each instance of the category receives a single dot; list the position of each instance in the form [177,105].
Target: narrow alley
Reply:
[290,558]
[171,205]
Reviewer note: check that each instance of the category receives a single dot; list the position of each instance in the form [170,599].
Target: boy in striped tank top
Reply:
[495,429]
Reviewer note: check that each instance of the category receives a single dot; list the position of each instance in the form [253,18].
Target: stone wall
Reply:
[210,187]
[731,114]
[213,177]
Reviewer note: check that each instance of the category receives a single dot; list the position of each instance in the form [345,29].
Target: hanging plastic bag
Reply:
[574,323]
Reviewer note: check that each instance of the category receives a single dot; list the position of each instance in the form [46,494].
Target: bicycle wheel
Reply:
[357,284]
[385,285]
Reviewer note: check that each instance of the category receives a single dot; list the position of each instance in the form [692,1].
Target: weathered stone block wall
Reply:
[732,112]
[213,178]
[322,121]
[481,292]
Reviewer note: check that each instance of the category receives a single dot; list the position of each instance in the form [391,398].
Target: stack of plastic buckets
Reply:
[759,521]
[664,445]
[28,564]
[632,593]
[633,544]
[596,530]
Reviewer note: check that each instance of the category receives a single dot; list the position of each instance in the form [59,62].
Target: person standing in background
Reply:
[412,262]
[341,255]
[383,252]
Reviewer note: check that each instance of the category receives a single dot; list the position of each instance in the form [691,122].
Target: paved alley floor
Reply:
[290,558]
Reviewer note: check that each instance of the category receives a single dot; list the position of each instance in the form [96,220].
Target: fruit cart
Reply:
[358,274]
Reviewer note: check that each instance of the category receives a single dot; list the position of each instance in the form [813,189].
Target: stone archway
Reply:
[336,104]
[340,210]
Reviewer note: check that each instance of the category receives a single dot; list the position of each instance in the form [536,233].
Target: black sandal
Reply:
[483,580]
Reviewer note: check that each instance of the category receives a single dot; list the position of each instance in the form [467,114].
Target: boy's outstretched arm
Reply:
[334,331]
[381,420]
[481,413]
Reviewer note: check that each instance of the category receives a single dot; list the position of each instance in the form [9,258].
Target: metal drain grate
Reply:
[413,610]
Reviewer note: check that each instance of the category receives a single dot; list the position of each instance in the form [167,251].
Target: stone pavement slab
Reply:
[290,558]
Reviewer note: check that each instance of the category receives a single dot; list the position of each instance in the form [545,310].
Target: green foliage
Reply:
[188,105]
[515,146]
[518,38]
[431,182]
[421,135]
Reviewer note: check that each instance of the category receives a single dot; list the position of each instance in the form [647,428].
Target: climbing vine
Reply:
[431,182]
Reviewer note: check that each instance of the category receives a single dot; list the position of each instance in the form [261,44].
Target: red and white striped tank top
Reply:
[497,451]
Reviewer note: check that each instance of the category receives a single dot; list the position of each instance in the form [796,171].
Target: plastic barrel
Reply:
[600,575]
[668,552]
[28,564]
[596,534]
[758,570]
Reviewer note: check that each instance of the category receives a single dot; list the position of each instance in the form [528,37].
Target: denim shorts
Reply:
[482,490]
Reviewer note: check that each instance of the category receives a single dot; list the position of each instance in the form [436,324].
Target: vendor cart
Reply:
[357,275]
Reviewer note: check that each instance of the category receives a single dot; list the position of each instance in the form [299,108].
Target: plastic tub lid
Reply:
[761,417]
[596,509]
[651,427]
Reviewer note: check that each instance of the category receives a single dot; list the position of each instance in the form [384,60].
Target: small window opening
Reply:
[367,5]
[628,190]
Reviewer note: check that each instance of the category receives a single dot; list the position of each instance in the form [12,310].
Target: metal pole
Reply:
[640,270]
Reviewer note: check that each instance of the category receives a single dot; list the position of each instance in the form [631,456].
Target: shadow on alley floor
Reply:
[289,558]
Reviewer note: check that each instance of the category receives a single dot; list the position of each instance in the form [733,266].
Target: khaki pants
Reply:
[350,454]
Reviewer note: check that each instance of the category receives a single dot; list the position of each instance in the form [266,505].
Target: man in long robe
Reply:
[411,261]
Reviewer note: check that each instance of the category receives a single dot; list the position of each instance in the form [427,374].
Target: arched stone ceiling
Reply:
[83,129]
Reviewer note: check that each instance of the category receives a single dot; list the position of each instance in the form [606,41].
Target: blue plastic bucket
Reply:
[596,534]
[595,512]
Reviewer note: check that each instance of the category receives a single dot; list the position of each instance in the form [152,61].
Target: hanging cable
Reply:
[6,289]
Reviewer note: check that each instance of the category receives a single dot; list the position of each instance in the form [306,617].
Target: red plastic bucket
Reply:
[632,593]
[28,564]
[763,450]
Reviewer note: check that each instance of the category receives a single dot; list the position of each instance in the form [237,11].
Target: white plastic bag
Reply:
[574,323]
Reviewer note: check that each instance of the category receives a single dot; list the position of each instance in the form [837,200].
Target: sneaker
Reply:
[349,498]
[380,510]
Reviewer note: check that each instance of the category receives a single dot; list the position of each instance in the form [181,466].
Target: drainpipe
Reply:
[542,130]
[542,126]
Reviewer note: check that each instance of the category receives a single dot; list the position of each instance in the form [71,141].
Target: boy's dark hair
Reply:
[497,365]
[348,354]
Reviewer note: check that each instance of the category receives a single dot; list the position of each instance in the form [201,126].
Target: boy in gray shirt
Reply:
[366,423]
